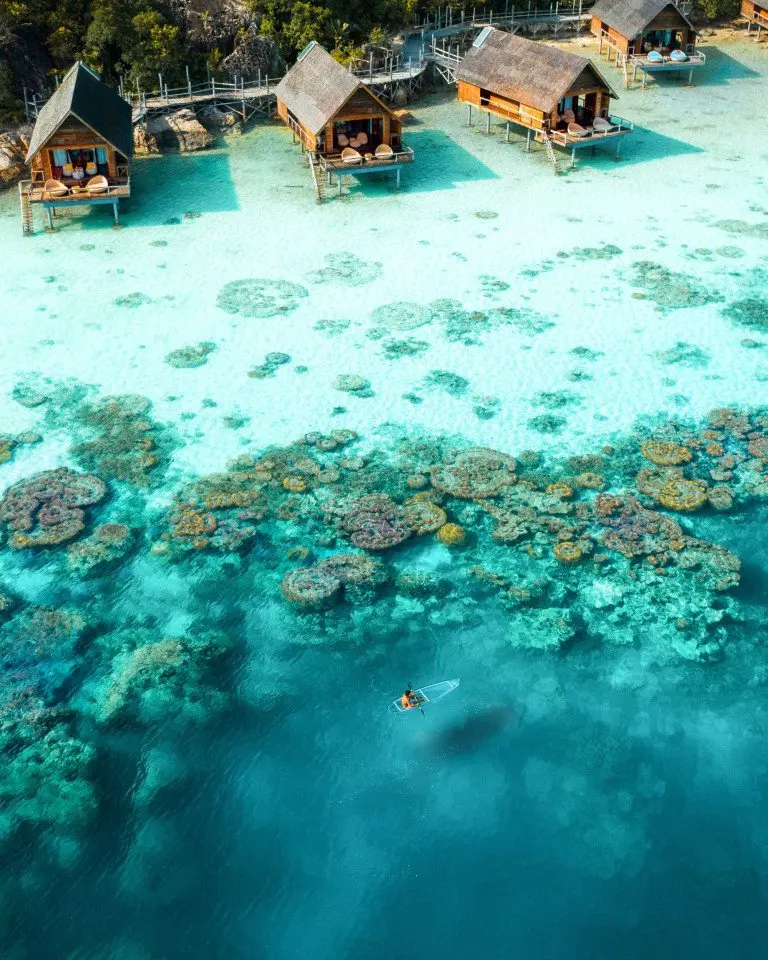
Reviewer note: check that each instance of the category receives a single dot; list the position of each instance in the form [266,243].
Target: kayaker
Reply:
[409,700]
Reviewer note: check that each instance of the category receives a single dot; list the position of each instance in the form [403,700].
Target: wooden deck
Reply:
[118,191]
[332,165]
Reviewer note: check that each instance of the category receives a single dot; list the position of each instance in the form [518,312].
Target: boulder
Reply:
[13,150]
[251,55]
[180,131]
[214,119]
[143,141]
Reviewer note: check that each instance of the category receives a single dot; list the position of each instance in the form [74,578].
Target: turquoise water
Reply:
[243,384]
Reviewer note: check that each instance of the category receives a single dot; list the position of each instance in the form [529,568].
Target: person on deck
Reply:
[409,700]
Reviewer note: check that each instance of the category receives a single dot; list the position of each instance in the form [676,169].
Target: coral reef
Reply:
[49,508]
[475,473]
[191,356]
[107,546]
[128,446]
[346,269]
[451,535]
[375,522]
[146,679]
[670,290]
[9,443]
[258,299]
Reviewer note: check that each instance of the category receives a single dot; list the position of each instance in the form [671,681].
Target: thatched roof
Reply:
[316,88]
[630,17]
[531,72]
[82,95]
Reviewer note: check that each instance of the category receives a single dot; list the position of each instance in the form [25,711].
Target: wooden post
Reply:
[488,125]
[50,218]
[528,142]
[160,80]
[208,73]
[189,82]
[618,148]
[398,177]
[469,121]
[213,86]
[34,104]
[573,158]
[507,131]
[115,202]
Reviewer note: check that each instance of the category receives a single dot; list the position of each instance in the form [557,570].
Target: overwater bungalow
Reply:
[559,98]
[755,12]
[81,147]
[652,36]
[338,119]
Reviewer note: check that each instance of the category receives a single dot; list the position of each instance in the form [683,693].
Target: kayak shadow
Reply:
[473,732]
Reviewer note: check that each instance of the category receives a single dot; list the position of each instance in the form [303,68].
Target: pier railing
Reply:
[502,16]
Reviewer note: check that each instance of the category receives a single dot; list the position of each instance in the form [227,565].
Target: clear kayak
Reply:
[429,694]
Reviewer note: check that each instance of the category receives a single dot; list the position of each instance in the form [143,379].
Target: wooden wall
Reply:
[752,9]
[73,135]
[619,42]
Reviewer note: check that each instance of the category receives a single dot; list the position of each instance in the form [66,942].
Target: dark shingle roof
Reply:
[629,17]
[528,71]
[83,95]
[316,88]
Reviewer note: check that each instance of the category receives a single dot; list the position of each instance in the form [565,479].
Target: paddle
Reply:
[410,687]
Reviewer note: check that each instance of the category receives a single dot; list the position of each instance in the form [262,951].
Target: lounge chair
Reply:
[576,130]
[679,56]
[55,188]
[362,138]
[601,125]
[655,57]
[350,156]
[97,185]
[384,152]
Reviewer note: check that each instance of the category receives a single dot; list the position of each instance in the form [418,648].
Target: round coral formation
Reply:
[474,474]
[48,508]
[351,568]
[424,516]
[451,535]
[568,552]
[258,298]
[683,495]
[375,522]
[721,498]
[294,484]
[562,490]
[665,454]
[310,586]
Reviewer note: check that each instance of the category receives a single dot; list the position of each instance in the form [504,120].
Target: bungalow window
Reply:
[79,164]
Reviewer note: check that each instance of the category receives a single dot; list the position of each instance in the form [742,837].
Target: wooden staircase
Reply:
[318,178]
[550,150]
[27,221]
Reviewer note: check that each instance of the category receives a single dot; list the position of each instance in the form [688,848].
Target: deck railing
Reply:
[618,126]
[501,16]
[36,192]
[335,163]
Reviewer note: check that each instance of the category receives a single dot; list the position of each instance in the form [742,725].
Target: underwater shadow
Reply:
[174,186]
[441,163]
[721,69]
[645,145]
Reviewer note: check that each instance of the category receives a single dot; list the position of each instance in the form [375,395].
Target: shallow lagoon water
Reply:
[602,800]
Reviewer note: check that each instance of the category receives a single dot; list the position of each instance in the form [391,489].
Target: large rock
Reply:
[180,131]
[251,55]
[143,141]
[13,150]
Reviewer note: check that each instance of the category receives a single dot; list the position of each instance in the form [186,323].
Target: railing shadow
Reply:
[645,146]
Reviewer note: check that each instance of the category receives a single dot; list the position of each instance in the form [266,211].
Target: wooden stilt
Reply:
[528,142]
[507,132]
[114,210]
[488,124]
[50,218]
[398,177]
[469,121]
[573,158]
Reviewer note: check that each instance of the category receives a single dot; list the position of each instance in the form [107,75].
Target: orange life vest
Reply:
[405,700]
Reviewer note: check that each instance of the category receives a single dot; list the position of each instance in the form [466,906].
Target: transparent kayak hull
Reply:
[430,694]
